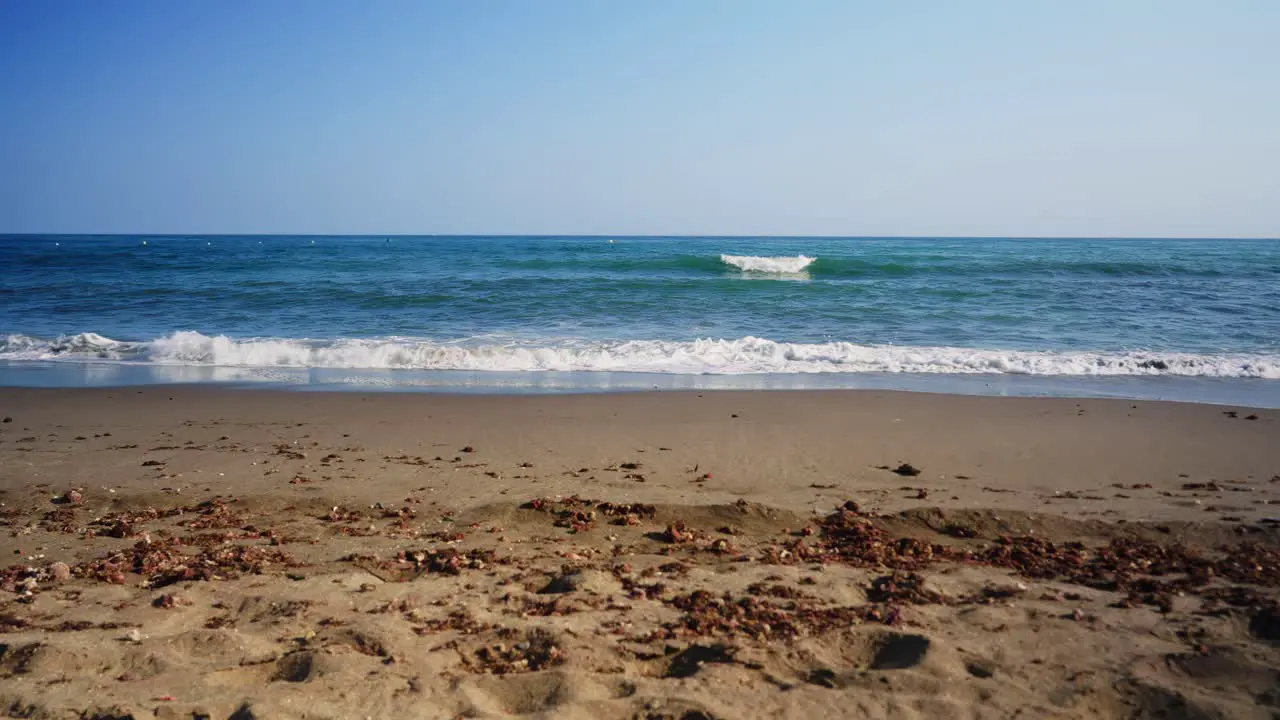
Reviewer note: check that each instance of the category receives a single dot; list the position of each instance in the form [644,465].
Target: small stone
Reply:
[980,668]
[60,571]
[134,636]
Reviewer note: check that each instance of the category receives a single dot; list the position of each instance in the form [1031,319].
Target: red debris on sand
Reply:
[168,602]
[448,561]
[751,616]
[538,651]
[337,514]
[579,514]
[460,621]
[679,532]
[720,546]
[163,563]
[903,587]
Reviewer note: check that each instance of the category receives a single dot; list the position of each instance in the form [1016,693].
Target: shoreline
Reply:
[1247,392]
[181,551]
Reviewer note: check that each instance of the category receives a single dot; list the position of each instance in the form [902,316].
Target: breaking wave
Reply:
[777,265]
[719,357]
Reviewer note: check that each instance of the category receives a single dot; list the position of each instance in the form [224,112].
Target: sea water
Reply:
[1180,319]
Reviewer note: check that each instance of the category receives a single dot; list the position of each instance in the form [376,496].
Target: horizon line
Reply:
[9,235]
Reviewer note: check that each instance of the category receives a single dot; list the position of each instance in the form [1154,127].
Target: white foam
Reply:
[777,265]
[718,357]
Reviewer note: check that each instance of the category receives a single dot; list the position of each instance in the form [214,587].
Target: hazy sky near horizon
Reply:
[828,117]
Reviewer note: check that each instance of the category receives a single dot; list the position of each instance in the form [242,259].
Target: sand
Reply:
[202,552]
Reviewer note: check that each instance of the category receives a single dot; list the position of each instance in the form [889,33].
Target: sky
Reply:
[1098,118]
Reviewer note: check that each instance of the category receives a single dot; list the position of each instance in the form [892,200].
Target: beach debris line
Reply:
[162,563]
[709,614]
[580,514]
[410,564]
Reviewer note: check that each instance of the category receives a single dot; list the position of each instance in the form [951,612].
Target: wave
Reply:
[777,265]
[871,266]
[720,357]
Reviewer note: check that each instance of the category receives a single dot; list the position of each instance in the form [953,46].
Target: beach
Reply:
[639,361]
[189,551]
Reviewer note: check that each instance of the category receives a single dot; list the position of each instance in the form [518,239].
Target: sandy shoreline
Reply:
[342,555]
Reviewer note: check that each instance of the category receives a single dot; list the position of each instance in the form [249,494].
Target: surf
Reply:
[708,356]
[784,265]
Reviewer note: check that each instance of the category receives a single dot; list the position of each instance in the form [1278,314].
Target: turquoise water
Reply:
[841,309]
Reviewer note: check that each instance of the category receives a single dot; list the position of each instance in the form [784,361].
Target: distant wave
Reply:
[777,265]
[721,357]
[873,267]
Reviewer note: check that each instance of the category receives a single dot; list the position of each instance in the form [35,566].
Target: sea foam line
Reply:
[709,356]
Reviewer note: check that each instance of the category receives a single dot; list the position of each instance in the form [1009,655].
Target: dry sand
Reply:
[196,552]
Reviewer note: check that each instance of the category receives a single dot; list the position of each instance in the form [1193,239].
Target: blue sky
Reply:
[896,117]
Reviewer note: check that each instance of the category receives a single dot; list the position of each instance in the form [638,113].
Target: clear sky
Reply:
[892,117]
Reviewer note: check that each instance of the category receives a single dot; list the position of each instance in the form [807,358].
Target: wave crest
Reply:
[778,265]
[711,356]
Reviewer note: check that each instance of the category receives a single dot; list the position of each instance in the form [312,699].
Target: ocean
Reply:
[1173,319]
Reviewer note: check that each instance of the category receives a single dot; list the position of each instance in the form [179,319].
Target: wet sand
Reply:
[180,552]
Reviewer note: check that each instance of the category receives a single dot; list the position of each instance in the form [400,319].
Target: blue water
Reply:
[557,311]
